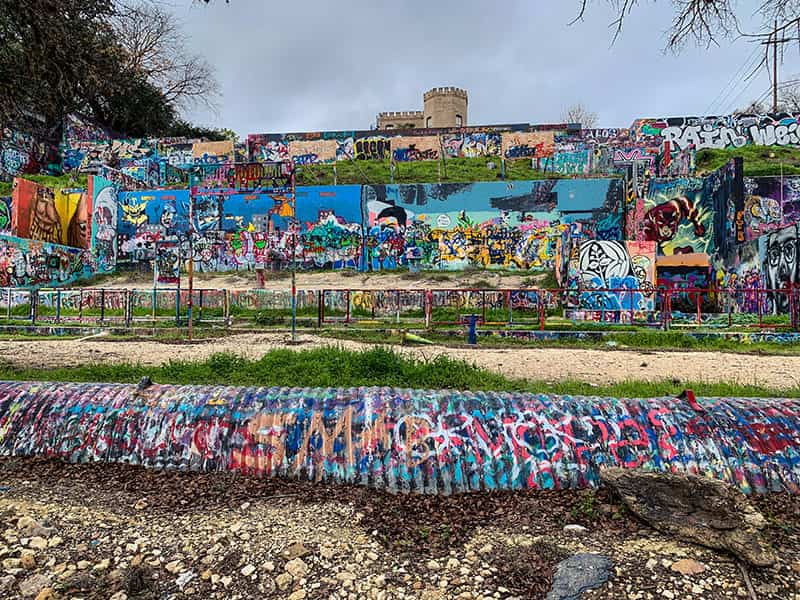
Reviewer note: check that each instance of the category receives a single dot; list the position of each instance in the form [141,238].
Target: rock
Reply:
[297,595]
[433,565]
[27,561]
[54,541]
[283,581]
[578,574]
[668,595]
[486,550]
[248,570]
[295,550]
[297,568]
[694,509]
[173,567]
[11,563]
[102,565]
[6,583]
[651,564]
[47,593]
[687,566]
[575,529]
[34,584]
[141,504]
[226,581]
[119,596]
[183,579]
[83,565]
[38,543]
[268,566]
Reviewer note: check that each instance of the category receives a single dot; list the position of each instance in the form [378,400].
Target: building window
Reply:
[459,121]
[428,122]
[390,126]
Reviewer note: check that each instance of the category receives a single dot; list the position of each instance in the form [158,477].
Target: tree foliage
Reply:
[706,22]
[578,113]
[74,56]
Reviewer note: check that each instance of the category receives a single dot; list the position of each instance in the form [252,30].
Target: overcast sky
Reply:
[312,65]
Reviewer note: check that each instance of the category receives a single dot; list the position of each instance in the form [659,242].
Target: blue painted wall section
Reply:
[407,441]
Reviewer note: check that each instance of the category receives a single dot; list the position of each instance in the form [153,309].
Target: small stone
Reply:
[226,581]
[83,565]
[248,570]
[102,565]
[295,550]
[578,529]
[485,550]
[11,563]
[215,578]
[141,504]
[54,541]
[453,564]
[297,568]
[27,561]
[46,594]
[651,564]
[39,543]
[34,584]
[432,565]
[173,567]
[668,595]
[237,527]
[119,596]
[297,595]
[206,575]
[687,566]
[268,566]
[283,581]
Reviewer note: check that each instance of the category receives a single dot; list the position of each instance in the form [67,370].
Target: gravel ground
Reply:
[548,364]
[112,531]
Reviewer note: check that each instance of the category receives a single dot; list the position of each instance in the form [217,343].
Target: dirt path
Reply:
[245,280]
[548,364]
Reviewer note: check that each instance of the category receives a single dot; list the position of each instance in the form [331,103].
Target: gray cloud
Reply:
[321,65]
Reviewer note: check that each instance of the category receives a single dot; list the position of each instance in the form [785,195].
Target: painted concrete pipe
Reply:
[405,440]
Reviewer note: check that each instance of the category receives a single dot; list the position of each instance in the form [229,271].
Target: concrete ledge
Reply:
[405,440]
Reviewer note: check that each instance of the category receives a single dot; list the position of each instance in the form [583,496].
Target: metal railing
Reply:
[661,308]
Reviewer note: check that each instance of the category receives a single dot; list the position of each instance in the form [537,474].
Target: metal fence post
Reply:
[102,304]
[128,308]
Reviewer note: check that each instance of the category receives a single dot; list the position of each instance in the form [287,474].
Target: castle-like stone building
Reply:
[442,107]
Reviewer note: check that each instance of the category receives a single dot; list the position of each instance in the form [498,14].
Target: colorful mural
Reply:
[521,224]
[103,213]
[33,263]
[613,276]
[403,440]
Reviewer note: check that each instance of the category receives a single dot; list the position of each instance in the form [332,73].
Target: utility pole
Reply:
[191,259]
[775,70]
[294,257]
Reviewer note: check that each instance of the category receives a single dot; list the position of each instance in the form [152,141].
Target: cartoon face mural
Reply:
[662,221]
[781,263]
[618,276]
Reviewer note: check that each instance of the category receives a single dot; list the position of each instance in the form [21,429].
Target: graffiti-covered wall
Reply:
[521,225]
[54,216]
[31,263]
[613,276]
[403,440]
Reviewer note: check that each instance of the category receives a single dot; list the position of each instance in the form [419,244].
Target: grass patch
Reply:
[428,171]
[758,160]
[644,340]
[334,367]
[71,180]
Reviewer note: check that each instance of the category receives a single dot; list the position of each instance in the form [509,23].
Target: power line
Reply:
[724,92]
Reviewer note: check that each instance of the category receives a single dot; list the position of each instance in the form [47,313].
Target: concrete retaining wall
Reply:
[421,441]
